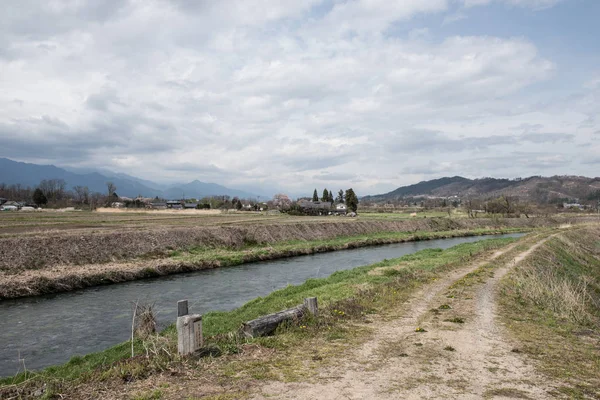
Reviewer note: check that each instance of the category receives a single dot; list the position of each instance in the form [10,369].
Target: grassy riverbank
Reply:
[348,299]
[551,305]
[195,258]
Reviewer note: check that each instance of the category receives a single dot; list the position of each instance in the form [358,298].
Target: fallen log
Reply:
[266,325]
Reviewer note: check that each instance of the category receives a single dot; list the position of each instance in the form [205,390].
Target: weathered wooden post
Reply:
[311,305]
[182,308]
[189,330]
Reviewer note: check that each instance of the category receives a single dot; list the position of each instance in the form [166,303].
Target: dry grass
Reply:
[550,303]
[144,321]
[566,298]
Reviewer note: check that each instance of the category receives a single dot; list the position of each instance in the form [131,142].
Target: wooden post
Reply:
[311,305]
[182,308]
[189,334]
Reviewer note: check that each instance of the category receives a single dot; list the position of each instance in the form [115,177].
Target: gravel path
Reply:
[469,360]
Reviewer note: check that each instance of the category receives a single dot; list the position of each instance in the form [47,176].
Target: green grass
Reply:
[255,252]
[336,290]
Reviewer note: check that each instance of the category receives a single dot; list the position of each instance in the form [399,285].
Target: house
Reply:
[190,206]
[15,204]
[158,206]
[341,208]
[573,205]
[3,200]
[174,204]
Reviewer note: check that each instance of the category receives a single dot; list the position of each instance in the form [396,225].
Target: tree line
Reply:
[347,197]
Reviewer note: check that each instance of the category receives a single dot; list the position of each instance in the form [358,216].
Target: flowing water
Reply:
[47,330]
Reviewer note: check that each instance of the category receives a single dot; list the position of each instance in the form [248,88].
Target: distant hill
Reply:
[199,189]
[535,188]
[25,174]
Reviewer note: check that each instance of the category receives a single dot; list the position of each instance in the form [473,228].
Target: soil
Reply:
[450,360]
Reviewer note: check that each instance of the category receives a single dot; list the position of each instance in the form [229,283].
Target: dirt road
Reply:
[463,353]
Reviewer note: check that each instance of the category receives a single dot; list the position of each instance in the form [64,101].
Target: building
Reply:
[3,200]
[315,207]
[174,204]
[190,206]
[158,206]
[341,208]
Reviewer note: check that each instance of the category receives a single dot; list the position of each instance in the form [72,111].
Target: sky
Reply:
[291,95]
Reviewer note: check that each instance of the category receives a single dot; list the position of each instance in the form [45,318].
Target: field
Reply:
[46,252]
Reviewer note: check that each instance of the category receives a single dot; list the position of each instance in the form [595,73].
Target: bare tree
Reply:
[111,188]
[82,194]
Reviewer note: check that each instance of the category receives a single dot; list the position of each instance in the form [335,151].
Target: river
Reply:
[48,330]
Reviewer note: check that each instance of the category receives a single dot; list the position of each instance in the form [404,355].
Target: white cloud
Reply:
[278,91]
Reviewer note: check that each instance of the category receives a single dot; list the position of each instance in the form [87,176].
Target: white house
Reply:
[340,208]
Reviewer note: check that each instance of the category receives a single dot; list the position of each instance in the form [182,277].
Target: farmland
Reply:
[48,252]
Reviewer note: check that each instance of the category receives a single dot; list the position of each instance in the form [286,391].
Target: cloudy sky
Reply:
[294,95]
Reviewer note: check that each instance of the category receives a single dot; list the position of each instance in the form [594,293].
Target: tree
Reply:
[330,197]
[325,196]
[315,196]
[281,201]
[351,200]
[82,194]
[39,198]
[238,205]
[111,188]
[340,196]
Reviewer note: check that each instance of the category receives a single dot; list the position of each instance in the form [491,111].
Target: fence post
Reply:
[311,305]
[182,308]
[189,334]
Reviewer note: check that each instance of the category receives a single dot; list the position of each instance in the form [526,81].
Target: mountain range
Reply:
[536,188]
[25,174]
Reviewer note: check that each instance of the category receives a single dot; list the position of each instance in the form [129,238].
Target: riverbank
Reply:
[551,306]
[347,298]
[62,262]
[72,277]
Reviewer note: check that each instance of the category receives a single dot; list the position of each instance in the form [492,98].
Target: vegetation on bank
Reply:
[205,257]
[551,304]
[257,252]
[346,298]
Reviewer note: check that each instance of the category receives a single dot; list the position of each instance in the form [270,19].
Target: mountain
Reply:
[197,189]
[26,174]
[535,188]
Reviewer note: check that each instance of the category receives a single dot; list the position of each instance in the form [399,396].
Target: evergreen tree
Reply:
[315,196]
[39,198]
[351,200]
[330,197]
[325,196]
[340,196]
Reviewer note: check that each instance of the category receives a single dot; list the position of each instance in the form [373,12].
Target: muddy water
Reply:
[48,330]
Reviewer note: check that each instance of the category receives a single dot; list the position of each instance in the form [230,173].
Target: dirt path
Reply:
[451,360]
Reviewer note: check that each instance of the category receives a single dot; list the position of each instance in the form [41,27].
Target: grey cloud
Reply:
[335,176]
[547,137]
[591,160]
[175,88]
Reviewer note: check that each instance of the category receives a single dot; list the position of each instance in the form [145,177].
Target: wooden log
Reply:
[312,306]
[182,308]
[189,334]
[266,325]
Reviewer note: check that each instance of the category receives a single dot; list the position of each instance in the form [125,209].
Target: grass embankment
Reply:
[347,300]
[551,303]
[67,278]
